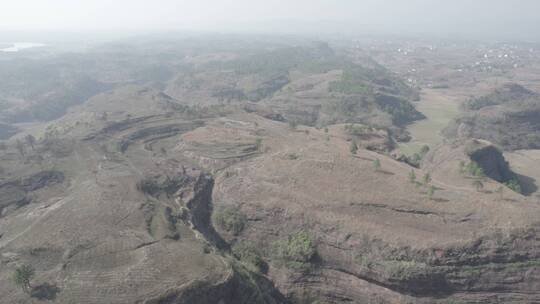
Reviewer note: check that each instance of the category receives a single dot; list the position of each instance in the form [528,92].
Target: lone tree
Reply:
[431,192]
[354,147]
[258,144]
[426,179]
[412,177]
[30,140]
[293,124]
[500,191]
[478,185]
[22,277]
[377,164]
[20,147]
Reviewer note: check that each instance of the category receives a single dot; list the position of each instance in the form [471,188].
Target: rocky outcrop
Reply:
[491,160]
[13,194]
[39,180]
[198,200]
[192,190]
[491,268]
[157,132]
[238,287]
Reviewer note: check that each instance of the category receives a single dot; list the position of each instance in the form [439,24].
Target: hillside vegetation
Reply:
[508,117]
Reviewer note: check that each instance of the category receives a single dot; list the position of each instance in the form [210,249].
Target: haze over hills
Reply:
[241,152]
[481,19]
[249,169]
[509,117]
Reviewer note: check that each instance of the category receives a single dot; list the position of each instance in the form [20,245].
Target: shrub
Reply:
[258,144]
[357,130]
[472,169]
[293,124]
[478,185]
[230,219]
[377,164]
[500,192]
[417,158]
[412,177]
[249,254]
[20,148]
[30,140]
[22,277]
[292,156]
[297,251]
[354,147]
[426,179]
[155,186]
[431,192]
[148,186]
[513,185]
[403,270]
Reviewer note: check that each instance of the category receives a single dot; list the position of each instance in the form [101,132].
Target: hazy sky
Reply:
[506,18]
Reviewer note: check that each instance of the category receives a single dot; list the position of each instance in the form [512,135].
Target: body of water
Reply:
[18,46]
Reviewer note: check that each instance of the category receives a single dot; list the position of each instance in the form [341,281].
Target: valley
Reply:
[221,170]
[439,107]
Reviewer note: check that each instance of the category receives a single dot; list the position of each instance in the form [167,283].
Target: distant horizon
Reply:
[481,19]
[92,36]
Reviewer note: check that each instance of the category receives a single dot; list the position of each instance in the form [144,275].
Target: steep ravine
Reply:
[500,266]
[239,285]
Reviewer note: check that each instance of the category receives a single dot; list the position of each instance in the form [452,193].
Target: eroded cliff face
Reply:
[499,267]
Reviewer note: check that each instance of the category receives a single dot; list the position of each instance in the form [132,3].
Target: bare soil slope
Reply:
[373,226]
